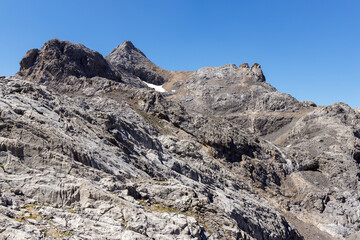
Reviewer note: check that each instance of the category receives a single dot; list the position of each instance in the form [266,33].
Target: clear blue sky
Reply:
[308,48]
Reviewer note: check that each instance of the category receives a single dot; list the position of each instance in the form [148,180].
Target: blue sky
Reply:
[309,49]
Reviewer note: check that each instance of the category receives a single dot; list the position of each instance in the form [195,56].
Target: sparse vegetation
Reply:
[3,168]
[49,229]
[29,213]
[71,211]
[166,209]
[57,233]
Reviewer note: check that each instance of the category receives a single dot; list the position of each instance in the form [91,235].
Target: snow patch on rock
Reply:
[157,88]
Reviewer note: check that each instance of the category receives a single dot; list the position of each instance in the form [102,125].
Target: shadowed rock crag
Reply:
[58,59]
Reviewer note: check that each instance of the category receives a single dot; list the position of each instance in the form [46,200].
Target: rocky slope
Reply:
[87,151]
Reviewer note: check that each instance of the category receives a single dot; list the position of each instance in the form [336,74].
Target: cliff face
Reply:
[87,151]
[57,60]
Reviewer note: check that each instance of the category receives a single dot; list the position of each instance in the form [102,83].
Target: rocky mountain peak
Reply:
[244,65]
[126,57]
[129,48]
[58,59]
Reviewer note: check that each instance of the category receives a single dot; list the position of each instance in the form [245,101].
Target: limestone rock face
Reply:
[59,59]
[88,152]
[101,161]
[238,94]
[126,57]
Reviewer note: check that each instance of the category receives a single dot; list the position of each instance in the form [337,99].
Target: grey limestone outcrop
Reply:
[88,151]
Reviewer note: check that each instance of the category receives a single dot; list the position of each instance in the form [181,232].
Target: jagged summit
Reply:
[58,59]
[256,68]
[126,57]
[127,46]
[244,65]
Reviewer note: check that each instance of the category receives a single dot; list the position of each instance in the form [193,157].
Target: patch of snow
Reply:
[156,87]
[173,90]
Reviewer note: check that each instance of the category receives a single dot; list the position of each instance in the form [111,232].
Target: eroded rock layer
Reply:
[88,151]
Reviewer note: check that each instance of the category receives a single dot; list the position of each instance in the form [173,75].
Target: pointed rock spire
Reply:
[127,57]
[256,68]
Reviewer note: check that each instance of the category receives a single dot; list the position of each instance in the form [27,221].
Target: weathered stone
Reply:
[59,59]
[126,57]
[220,155]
